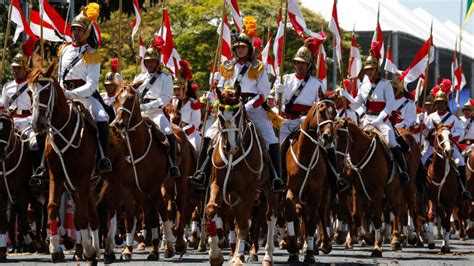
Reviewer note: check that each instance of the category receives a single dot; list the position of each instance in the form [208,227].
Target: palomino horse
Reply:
[443,184]
[71,144]
[372,173]
[15,172]
[238,170]
[307,180]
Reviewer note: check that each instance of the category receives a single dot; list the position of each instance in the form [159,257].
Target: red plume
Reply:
[314,43]
[185,70]
[471,101]
[114,64]
[158,43]
[375,49]
[195,87]
[434,90]
[28,47]
[257,42]
[446,85]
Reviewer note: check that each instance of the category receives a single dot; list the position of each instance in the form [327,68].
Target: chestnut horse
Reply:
[70,151]
[238,170]
[468,211]
[443,184]
[307,180]
[15,172]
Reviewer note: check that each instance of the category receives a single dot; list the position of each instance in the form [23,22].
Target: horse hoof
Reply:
[419,244]
[109,258]
[339,238]
[293,258]
[57,257]
[348,246]
[202,248]
[309,259]
[445,249]
[369,239]
[216,261]
[141,246]
[292,245]
[376,253]
[282,244]
[126,257]
[153,256]
[253,257]
[181,249]
[325,248]
[79,253]
[412,240]
[93,262]
[68,242]
[431,246]
[396,246]
[169,253]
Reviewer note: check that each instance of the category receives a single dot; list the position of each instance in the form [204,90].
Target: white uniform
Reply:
[86,73]
[351,114]
[157,96]
[260,87]
[191,116]
[305,100]
[407,109]
[22,117]
[468,129]
[377,108]
[456,132]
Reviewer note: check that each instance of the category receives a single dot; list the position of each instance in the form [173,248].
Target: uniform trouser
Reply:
[95,108]
[288,127]
[259,117]
[386,129]
[195,139]
[24,125]
[159,118]
[458,159]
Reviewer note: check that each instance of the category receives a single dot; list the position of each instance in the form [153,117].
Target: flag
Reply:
[419,63]
[226,52]
[141,52]
[138,18]
[18,18]
[469,11]
[278,45]
[234,8]
[322,70]
[169,54]
[49,32]
[355,62]
[297,20]
[457,76]
[267,59]
[52,17]
[334,28]
[389,64]
[378,37]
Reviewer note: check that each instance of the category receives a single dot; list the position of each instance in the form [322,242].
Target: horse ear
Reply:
[321,95]
[219,93]
[346,122]
[50,70]
[450,125]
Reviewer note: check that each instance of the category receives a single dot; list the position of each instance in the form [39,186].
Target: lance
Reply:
[5,42]
[425,83]
[388,49]
[460,59]
[119,52]
[284,11]
[41,36]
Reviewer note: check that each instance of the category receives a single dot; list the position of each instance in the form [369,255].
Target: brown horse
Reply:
[15,172]
[70,152]
[238,170]
[307,180]
[468,210]
[443,184]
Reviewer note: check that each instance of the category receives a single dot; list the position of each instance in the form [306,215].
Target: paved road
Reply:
[463,254]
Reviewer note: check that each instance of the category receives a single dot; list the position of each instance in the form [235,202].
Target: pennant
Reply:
[389,64]
[169,54]
[19,19]
[419,63]
[298,22]
[51,16]
[334,28]
[267,60]
[49,32]
[226,52]
[278,45]
[378,37]
[234,8]
[138,18]
[355,62]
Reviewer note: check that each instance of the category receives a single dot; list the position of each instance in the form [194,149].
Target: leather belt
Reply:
[21,113]
[73,83]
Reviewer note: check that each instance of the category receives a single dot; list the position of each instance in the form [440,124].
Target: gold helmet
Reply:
[112,78]
[24,54]
[303,55]
[20,59]
[85,17]
[371,62]
[441,96]
[468,105]
[152,54]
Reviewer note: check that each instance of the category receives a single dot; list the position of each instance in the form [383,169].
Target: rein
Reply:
[4,171]
[447,169]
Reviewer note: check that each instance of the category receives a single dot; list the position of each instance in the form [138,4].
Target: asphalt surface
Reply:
[462,254]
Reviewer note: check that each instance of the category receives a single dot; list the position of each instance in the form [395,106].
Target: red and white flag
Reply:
[141,52]
[52,17]
[278,45]
[138,18]
[267,59]
[336,31]
[419,63]
[234,8]
[226,52]
[19,19]
[49,32]
[297,20]
[457,76]
[169,54]
[378,37]
[389,64]
[355,62]
[322,69]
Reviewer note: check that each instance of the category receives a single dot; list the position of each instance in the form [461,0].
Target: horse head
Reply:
[442,140]
[344,131]
[6,134]
[230,114]
[127,107]
[319,121]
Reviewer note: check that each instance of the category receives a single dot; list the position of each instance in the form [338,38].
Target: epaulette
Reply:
[92,56]
[61,47]
[164,69]
[255,70]
[227,69]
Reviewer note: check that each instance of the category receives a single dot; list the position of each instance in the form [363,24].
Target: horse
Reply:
[307,180]
[443,184]
[468,208]
[238,170]
[70,152]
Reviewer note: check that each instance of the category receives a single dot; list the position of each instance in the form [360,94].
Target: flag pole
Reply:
[388,49]
[137,61]
[41,37]
[5,42]
[162,18]
[458,95]
[425,83]
[282,66]
[119,52]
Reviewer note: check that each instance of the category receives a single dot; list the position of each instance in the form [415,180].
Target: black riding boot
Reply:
[278,184]
[174,170]
[400,159]
[465,195]
[104,164]
[337,184]
[199,177]
[37,157]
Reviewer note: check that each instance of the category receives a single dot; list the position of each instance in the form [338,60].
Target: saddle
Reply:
[79,107]
[374,132]
[157,134]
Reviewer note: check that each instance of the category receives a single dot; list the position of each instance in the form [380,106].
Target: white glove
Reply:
[249,105]
[70,95]
[217,76]
[279,88]
[342,92]
[143,107]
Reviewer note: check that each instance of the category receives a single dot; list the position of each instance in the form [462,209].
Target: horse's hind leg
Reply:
[446,224]
[377,221]
[55,192]
[241,213]
[3,227]
[215,255]
[292,227]
[272,207]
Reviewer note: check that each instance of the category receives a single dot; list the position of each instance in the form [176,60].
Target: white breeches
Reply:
[157,115]
[428,152]
[195,139]
[95,108]
[24,125]
[288,127]
[385,129]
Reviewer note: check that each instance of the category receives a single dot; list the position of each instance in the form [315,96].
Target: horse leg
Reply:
[109,255]
[3,227]
[130,223]
[55,192]
[272,206]
[215,255]
[23,226]
[241,213]
[232,235]
[150,215]
[290,216]
[81,221]
[377,221]
[310,229]
[195,217]
[446,224]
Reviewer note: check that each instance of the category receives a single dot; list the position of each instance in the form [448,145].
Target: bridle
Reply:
[440,150]
[122,108]
[48,107]
[225,129]
[319,141]
[10,136]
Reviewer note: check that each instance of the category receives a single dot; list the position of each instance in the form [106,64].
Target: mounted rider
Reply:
[467,119]
[404,114]
[112,83]
[444,116]
[376,97]
[251,76]
[156,90]
[79,72]
[343,105]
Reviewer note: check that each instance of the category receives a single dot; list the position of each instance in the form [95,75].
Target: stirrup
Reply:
[278,185]
[174,172]
[404,179]
[465,195]
[199,179]
[104,165]
[342,184]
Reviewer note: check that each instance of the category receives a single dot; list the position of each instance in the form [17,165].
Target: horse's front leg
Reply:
[215,255]
[310,229]
[3,227]
[446,223]
[131,211]
[241,213]
[271,215]
[292,227]
[376,205]
[55,192]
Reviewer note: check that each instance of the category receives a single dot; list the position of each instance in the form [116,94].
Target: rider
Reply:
[156,90]
[251,76]
[443,115]
[343,106]
[112,82]
[79,71]
[187,104]
[404,114]
[467,119]
[376,96]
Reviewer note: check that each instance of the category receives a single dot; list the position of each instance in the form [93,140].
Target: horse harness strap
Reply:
[6,173]
[147,87]
[448,115]
[18,93]
[402,105]
[241,75]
